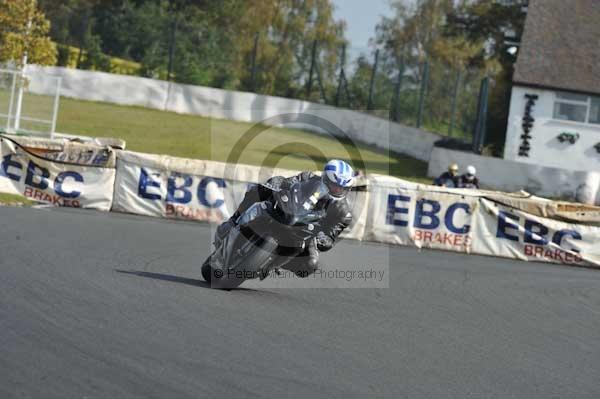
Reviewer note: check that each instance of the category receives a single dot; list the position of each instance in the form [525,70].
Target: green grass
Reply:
[191,136]
[10,199]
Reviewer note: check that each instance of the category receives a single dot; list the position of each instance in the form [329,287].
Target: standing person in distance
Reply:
[448,179]
[469,180]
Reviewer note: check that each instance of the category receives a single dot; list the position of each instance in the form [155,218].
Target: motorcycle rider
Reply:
[337,178]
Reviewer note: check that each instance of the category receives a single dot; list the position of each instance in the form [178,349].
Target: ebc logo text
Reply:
[429,216]
[538,241]
[38,179]
[183,194]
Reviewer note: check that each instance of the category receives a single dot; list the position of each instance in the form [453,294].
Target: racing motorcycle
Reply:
[266,235]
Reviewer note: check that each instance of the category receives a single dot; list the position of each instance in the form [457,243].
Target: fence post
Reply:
[312,69]
[372,83]
[396,101]
[55,108]
[454,103]
[320,82]
[347,91]
[253,70]
[82,40]
[480,124]
[422,94]
[12,99]
[341,76]
[172,46]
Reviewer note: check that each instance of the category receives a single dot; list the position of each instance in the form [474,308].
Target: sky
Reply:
[361,18]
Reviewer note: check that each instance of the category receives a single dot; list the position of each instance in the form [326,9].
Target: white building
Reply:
[554,115]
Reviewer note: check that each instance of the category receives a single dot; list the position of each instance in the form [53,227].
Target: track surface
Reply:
[449,326]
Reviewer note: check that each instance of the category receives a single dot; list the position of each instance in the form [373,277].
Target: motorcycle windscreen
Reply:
[299,203]
[255,211]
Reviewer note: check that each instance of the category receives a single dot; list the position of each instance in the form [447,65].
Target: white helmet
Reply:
[338,177]
[471,171]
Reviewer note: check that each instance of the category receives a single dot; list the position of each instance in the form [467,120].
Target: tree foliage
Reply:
[456,38]
[491,23]
[211,41]
[24,30]
[267,46]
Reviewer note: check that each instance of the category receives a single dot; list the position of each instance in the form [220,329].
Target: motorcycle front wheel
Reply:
[217,278]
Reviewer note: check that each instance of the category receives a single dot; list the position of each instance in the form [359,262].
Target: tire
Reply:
[257,262]
[216,278]
[207,271]
[227,280]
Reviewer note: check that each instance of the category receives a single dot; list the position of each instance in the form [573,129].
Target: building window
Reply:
[595,110]
[577,108]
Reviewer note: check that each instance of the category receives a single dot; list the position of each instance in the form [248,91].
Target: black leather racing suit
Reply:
[337,218]
[465,182]
[446,179]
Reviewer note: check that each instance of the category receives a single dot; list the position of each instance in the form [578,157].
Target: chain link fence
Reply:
[429,95]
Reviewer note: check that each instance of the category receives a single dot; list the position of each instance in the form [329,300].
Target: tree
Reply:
[483,21]
[413,31]
[490,22]
[463,41]
[208,42]
[24,31]
[414,36]
[287,31]
[94,58]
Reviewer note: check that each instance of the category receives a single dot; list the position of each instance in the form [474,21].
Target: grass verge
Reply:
[11,199]
[190,136]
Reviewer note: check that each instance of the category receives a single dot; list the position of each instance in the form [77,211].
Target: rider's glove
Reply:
[224,228]
[324,242]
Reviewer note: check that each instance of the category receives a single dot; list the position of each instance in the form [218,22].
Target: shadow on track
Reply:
[166,277]
[174,279]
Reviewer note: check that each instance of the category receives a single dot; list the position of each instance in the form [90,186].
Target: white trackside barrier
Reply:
[161,186]
[232,105]
[58,173]
[178,188]
[507,175]
[478,222]
[394,211]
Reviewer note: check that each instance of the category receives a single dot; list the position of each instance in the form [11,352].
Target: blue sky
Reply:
[361,18]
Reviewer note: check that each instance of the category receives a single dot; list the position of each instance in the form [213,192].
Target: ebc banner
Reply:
[508,232]
[147,189]
[474,224]
[57,183]
[420,218]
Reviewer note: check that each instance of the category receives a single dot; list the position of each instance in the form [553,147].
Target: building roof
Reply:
[561,46]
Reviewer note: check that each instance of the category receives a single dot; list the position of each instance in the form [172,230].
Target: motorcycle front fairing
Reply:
[243,248]
[297,212]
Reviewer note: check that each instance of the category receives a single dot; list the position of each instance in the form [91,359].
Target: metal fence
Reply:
[430,94]
[22,111]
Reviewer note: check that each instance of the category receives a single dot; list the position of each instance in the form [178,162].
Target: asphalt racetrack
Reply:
[97,305]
